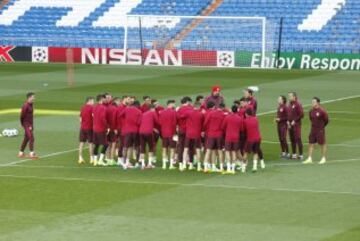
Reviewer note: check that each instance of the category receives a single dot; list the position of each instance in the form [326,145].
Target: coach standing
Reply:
[27,122]
[215,97]
[319,120]
[295,114]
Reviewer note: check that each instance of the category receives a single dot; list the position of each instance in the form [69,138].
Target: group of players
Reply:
[202,135]
[130,130]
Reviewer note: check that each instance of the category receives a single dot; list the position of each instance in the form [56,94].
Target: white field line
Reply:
[323,102]
[344,112]
[270,164]
[198,185]
[260,114]
[41,157]
[333,145]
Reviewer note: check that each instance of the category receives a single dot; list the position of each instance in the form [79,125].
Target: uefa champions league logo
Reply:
[225,59]
[40,54]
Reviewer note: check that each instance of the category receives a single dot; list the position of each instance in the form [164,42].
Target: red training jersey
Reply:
[111,116]
[213,123]
[27,114]
[149,121]
[100,122]
[194,123]
[132,119]
[86,115]
[296,112]
[181,121]
[167,122]
[319,119]
[232,125]
[252,129]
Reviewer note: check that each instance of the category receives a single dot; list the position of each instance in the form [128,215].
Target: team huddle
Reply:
[203,134]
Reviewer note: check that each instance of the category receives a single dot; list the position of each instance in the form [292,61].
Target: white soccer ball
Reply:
[254,88]
[10,132]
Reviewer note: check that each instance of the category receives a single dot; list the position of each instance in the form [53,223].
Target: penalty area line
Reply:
[41,157]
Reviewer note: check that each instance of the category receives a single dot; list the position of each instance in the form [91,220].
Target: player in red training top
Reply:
[295,114]
[194,122]
[282,127]
[319,120]
[249,94]
[167,122]
[119,125]
[111,115]
[130,130]
[148,124]
[212,125]
[101,129]
[232,126]
[146,104]
[158,109]
[86,129]
[27,122]
[181,121]
[253,140]
[215,97]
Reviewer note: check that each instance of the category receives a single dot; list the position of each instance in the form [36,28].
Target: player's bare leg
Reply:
[102,156]
[152,160]
[81,147]
[207,160]
[91,152]
[244,163]
[221,160]
[182,165]
[233,160]
[323,153]
[172,158]
[165,158]
[198,159]
[255,162]
[310,154]
[228,159]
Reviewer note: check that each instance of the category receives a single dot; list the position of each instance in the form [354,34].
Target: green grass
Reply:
[55,199]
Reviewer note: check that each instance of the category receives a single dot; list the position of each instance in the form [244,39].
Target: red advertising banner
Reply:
[199,58]
[58,55]
[134,56]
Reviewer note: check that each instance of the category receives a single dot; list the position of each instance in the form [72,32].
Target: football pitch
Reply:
[54,198]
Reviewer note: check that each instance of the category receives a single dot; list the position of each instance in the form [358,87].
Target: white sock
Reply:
[228,166]
[221,166]
[255,163]
[101,158]
[81,158]
[31,153]
[213,166]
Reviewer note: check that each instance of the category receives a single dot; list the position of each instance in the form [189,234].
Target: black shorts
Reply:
[192,143]
[131,139]
[147,140]
[317,136]
[168,142]
[252,147]
[100,138]
[214,143]
[232,146]
[86,136]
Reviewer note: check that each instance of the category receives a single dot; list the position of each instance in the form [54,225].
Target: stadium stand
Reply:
[309,25]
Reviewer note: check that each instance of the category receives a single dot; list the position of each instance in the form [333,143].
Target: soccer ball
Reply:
[226,60]
[10,132]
